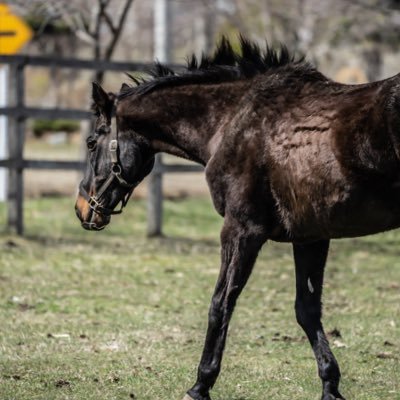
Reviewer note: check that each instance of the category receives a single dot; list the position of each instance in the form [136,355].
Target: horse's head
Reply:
[117,162]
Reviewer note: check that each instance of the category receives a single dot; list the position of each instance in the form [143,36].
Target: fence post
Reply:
[3,130]
[161,53]
[155,199]
[16,134]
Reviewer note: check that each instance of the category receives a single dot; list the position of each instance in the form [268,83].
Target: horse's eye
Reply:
[91,143]
[102,130]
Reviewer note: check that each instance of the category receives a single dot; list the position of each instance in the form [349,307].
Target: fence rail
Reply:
[17,113]
[60,62]
[80,165]
[45,113]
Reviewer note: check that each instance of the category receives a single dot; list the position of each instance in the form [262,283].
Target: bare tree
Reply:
[100,25]
[93,32]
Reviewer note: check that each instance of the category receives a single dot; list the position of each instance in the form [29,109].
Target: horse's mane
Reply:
[224,65]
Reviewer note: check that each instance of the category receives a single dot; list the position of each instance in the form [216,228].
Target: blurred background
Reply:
[349,41]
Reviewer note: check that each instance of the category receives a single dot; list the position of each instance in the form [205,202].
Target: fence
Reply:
[17,113]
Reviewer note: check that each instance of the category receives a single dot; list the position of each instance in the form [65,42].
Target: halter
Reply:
[95,201]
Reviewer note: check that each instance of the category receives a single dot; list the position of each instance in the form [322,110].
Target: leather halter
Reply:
[115,174]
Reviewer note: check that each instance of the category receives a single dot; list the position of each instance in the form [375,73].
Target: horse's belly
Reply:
[351,217]
[366,217]
[363,218]
[316,198]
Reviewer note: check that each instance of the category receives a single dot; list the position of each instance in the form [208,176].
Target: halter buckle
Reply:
[113,147]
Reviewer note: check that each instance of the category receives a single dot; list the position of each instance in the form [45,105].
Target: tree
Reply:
[99,26]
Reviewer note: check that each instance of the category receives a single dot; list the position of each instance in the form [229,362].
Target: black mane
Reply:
[224,65]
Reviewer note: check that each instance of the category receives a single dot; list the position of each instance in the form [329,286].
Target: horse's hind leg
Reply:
[310,262]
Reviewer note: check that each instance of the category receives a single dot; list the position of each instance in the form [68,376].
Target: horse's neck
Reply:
[191,118]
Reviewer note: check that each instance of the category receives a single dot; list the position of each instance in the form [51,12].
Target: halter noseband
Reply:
[95,201]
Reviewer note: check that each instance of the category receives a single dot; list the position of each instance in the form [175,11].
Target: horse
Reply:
[289,156]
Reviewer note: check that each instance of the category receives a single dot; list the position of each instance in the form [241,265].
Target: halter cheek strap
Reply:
[116,170]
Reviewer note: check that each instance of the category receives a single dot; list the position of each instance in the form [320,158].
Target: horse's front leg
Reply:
[240,246]
[310,262]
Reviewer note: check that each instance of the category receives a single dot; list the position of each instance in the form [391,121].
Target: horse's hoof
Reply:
[187,397]
[332,397]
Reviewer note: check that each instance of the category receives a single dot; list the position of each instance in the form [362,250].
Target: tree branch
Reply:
[110,24]
[118,31]
[102,4]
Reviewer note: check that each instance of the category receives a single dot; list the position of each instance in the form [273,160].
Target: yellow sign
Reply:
[14,33]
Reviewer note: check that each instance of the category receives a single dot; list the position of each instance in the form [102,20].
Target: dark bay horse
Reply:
[289,156]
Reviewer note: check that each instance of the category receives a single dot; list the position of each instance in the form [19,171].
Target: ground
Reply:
[112,315]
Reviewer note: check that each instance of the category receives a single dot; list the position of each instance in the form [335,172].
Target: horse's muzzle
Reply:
[91,226]
[90,220]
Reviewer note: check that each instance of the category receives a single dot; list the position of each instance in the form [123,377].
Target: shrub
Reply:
[41,126]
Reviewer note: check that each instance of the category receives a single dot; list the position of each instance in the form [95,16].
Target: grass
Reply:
[111,315]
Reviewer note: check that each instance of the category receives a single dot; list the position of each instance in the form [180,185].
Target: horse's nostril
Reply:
[78,213]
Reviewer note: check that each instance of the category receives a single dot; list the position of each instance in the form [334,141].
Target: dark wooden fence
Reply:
[17,113]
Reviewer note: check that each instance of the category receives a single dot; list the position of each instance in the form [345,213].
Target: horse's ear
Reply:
[100,97]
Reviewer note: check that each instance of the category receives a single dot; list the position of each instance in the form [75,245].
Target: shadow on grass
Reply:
[116,243]
[235,398]
[375,245]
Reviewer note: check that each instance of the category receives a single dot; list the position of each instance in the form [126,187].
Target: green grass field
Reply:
[112,315]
